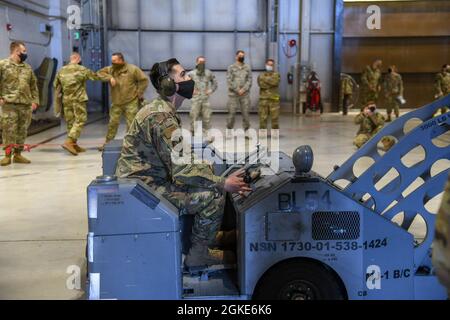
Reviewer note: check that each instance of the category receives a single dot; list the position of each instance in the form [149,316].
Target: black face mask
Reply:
[186,89]
[241,59]
[201,68]
[23,57]
[117,66]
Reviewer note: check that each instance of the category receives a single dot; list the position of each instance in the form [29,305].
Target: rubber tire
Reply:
[273,282]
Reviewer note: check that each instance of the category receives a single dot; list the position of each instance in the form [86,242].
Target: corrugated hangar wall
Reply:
[147,31]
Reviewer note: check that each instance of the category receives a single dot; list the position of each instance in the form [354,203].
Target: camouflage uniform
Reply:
[442,86]
[71,81]
[369,126]
[393,88]
[441,245]
[239,76]
[269,99]
[147,155]
[131,85]
[201,108]
[370,80]
[346,92]
[18,87]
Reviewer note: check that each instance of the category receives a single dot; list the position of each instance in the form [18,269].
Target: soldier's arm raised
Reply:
[359,118]
[93,76]
[105,74]
[182,172]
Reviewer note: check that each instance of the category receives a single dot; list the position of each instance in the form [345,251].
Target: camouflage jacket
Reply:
[71,80]
[148,150]
[347,85]
[203,83]
[269,85]
[393,85]
[369,124]
[18,83]
[131,83]
[239,77]
[442,85]
[441,245]
[371,79]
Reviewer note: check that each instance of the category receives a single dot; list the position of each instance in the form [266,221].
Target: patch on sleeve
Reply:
[168,131]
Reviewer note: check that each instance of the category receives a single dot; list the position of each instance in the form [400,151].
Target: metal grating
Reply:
[344,225]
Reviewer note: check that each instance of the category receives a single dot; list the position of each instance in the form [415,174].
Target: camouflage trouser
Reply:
[201,109]
[233,103]
[269,107]
[75,114]
[206,205]
[344,103]
[441,245]
[392,104]
[129,110]
[361,139]
[16,119]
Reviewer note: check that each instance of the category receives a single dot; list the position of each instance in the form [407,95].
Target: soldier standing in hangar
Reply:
[239,79]
[127,89]
[19,97]
[70,84]
[205,86]
[269,96]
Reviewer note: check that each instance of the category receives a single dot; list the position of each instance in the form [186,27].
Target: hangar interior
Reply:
[43,215]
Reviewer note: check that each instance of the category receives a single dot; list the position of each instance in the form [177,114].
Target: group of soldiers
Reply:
[128,84]
[239,81]
[370,119]
[372,84]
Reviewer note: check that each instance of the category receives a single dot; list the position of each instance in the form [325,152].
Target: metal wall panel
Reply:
[289,20]
[220,15]
[156,14]
[250,15]
[125,42]
[321,53]
[219,50]
[322,17]
[124,14]
[188,14]
[155,46]
[187,28]
[186,47]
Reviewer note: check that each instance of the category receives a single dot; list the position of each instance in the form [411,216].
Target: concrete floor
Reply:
[43,205]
